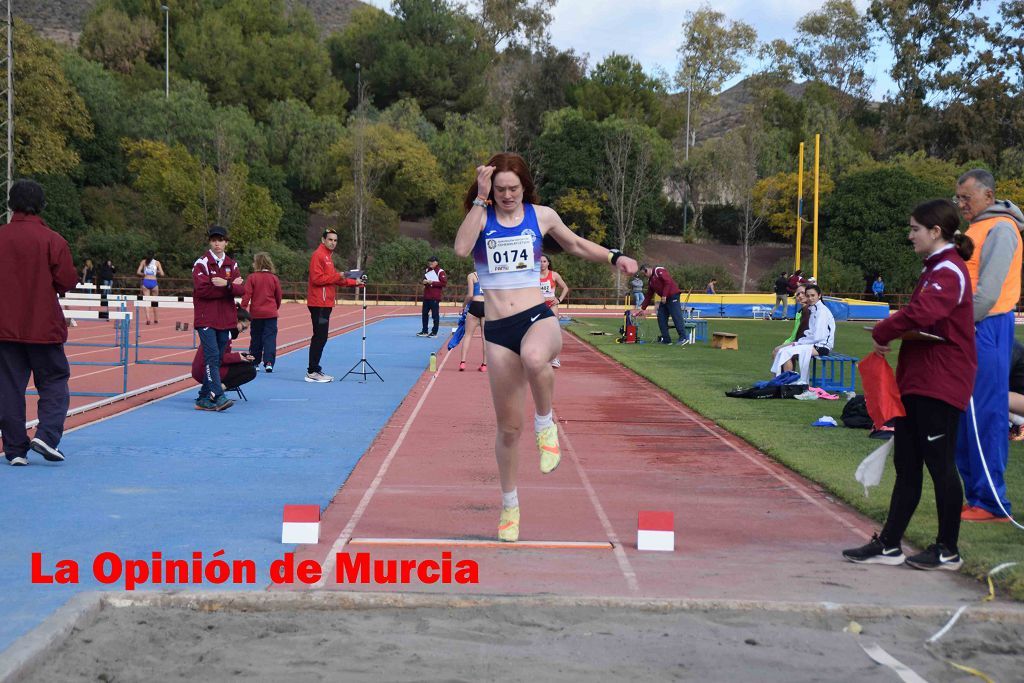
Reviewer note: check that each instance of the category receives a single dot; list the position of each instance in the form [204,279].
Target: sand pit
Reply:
[517,640]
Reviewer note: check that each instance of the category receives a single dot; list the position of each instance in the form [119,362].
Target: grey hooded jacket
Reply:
[996,254]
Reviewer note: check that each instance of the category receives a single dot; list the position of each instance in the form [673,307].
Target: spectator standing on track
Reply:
[35,266]
[107,271]
[262,299]
[88,273]
[474,319]
[935,381]
[550,282]
[710,288]
[434,281]
[660,282]
[636,285]
[149,269]
[236,369]
[995,270]
[320,295]
[781,294]
[504,230]
[216,281]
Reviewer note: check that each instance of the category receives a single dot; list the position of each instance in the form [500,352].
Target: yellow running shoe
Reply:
[508,525]
[550,453]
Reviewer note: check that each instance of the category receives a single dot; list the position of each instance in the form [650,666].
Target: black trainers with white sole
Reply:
[937,556]
[18,461]
[875,552]
[46,450]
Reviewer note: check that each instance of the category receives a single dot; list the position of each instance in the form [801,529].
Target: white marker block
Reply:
[655,531]
[301,524]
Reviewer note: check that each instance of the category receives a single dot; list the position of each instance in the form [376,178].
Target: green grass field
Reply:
[699,376]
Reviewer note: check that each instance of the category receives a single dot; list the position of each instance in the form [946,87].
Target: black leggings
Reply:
[321,319]
[926,436]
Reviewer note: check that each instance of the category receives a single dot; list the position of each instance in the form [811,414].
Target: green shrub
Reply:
[696,278]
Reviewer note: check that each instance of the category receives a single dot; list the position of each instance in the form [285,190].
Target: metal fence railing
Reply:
[398,292]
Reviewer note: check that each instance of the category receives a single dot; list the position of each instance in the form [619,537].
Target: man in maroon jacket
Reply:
[434,281]
[35,266]
[660,282]
[216,281]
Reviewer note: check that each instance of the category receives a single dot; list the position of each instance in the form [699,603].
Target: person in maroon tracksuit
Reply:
[236,369]
[434,281]
[216,281]
[35,266]
[262,299]
[660,282]
[935,380]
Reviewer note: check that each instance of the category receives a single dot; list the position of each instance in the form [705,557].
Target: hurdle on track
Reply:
[161,302]
[122,323]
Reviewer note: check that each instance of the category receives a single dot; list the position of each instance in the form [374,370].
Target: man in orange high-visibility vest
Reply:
[995,271]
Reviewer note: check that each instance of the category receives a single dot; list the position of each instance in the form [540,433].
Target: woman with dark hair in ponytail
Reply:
[935,379]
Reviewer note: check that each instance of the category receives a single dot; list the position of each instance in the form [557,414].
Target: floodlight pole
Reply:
[8,63]
[686,147]
[167,50]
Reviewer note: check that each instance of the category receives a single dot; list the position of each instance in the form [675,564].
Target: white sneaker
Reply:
[318,377]
[18,461]
[46,450]
[556,363]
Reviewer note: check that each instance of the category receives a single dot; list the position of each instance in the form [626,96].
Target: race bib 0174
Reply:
[510,254]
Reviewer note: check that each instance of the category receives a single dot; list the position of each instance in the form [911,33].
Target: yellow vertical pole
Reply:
[817,166]
[799,204]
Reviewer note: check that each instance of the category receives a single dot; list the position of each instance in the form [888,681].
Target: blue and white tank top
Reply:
[509,258]
[477,289]
[149,270]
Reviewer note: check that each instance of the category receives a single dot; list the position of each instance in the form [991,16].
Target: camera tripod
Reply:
[363,367]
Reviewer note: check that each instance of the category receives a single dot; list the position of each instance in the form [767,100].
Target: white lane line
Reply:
[789,483]
[346,533]
[620,554]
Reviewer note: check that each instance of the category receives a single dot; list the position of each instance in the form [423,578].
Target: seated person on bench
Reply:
[801,319]
[236,369]
[818,340]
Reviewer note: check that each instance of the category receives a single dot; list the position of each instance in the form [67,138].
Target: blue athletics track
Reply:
[164,477]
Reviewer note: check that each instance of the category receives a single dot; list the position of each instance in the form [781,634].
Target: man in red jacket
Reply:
[35,266]
[323,287]
[216,281]
[434,281]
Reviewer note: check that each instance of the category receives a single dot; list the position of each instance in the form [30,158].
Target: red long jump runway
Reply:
[746,528]
[293,333]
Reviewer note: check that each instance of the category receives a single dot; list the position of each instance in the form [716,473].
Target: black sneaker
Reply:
[432,334]
[46,450]
[421,334]
[875,553]
[18,461]
[936,557]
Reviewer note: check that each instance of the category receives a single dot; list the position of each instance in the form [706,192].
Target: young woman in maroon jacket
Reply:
[935,379]
[262,299]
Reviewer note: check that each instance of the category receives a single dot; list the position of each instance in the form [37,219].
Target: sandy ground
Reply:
[512,642]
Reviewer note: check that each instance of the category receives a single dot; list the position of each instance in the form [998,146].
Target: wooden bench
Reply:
[725,340]
[838,372]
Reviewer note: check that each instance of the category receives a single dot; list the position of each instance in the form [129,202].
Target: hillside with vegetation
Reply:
[269,127]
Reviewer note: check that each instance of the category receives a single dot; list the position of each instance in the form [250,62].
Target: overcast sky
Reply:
[651,30]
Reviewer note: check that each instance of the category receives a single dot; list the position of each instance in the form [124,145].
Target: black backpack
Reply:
[855,413]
